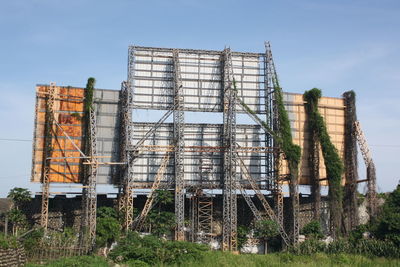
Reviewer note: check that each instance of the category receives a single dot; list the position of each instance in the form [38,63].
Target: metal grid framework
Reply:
[228,156]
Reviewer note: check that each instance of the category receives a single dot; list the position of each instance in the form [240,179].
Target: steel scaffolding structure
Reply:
[190,158]
[179,142]
[229,232]
[49,131]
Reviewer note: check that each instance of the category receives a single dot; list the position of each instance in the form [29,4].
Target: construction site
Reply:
[231,145]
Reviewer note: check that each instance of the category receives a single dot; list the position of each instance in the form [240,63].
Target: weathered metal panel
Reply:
[201,71]
[68,108]
[202,156]
[332,110]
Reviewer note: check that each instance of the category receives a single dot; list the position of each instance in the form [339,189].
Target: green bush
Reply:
[107,231]
[387,226]
[78,261]
[8,241]
[376,248]
[312,229]
[32,239]
[153,251]
[242,232]
[308,247]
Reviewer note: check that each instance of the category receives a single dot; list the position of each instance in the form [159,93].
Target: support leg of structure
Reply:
[350,205]
[126,199]
[229,239]
[179,125]
[44,218]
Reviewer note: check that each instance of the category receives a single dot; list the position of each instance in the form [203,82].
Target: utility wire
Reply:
[15,140]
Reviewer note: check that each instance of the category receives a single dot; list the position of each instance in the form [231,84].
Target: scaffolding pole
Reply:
[293,183]
[44,218]
[179,142]
[274,160]
[229,232]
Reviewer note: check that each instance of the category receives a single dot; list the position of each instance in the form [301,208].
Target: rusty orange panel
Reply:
[68,103]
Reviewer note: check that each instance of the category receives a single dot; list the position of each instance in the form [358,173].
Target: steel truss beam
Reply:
[49,130]
[293,183]
[138,223]
[229,238]
[371,172]
[268,210]
[275,160]
[179,143]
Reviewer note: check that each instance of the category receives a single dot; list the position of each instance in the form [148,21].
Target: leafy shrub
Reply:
[312,229]
[136,263]
[339,246]
[107,231]
[376,248]
[78,261]
[32,239]
[242,232]
[153,251]
[8,241]
[310,246]
[387,226]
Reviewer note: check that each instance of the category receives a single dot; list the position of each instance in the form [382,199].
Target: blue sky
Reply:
[332,45]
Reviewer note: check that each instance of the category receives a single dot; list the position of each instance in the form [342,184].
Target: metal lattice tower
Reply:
[126,201]
[229,239]
[44,218]
[274,160]
[179,125]
[91,189]
[293,183]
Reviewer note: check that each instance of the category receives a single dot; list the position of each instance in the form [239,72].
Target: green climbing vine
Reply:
[333,163]
[89,92]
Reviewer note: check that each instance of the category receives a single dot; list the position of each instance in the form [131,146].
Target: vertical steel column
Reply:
[229,240]
[273,122]
[44,218]
[92,180]
[293,183]
[350,204]
[126,200]
[179,125]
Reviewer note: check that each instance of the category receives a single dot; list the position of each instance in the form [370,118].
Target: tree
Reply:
[266,229]
[20,196]
[18,220]
[387,226]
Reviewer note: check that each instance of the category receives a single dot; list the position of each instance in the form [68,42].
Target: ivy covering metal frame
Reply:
[333,163]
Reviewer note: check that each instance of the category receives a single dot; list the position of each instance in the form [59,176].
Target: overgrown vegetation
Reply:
[7,241]
[312,230]
[108,227]
[89,93]
[161,222]
[154,251]
[333,163]
[387,225]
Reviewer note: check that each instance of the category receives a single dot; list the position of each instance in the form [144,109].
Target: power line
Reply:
[15,140]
